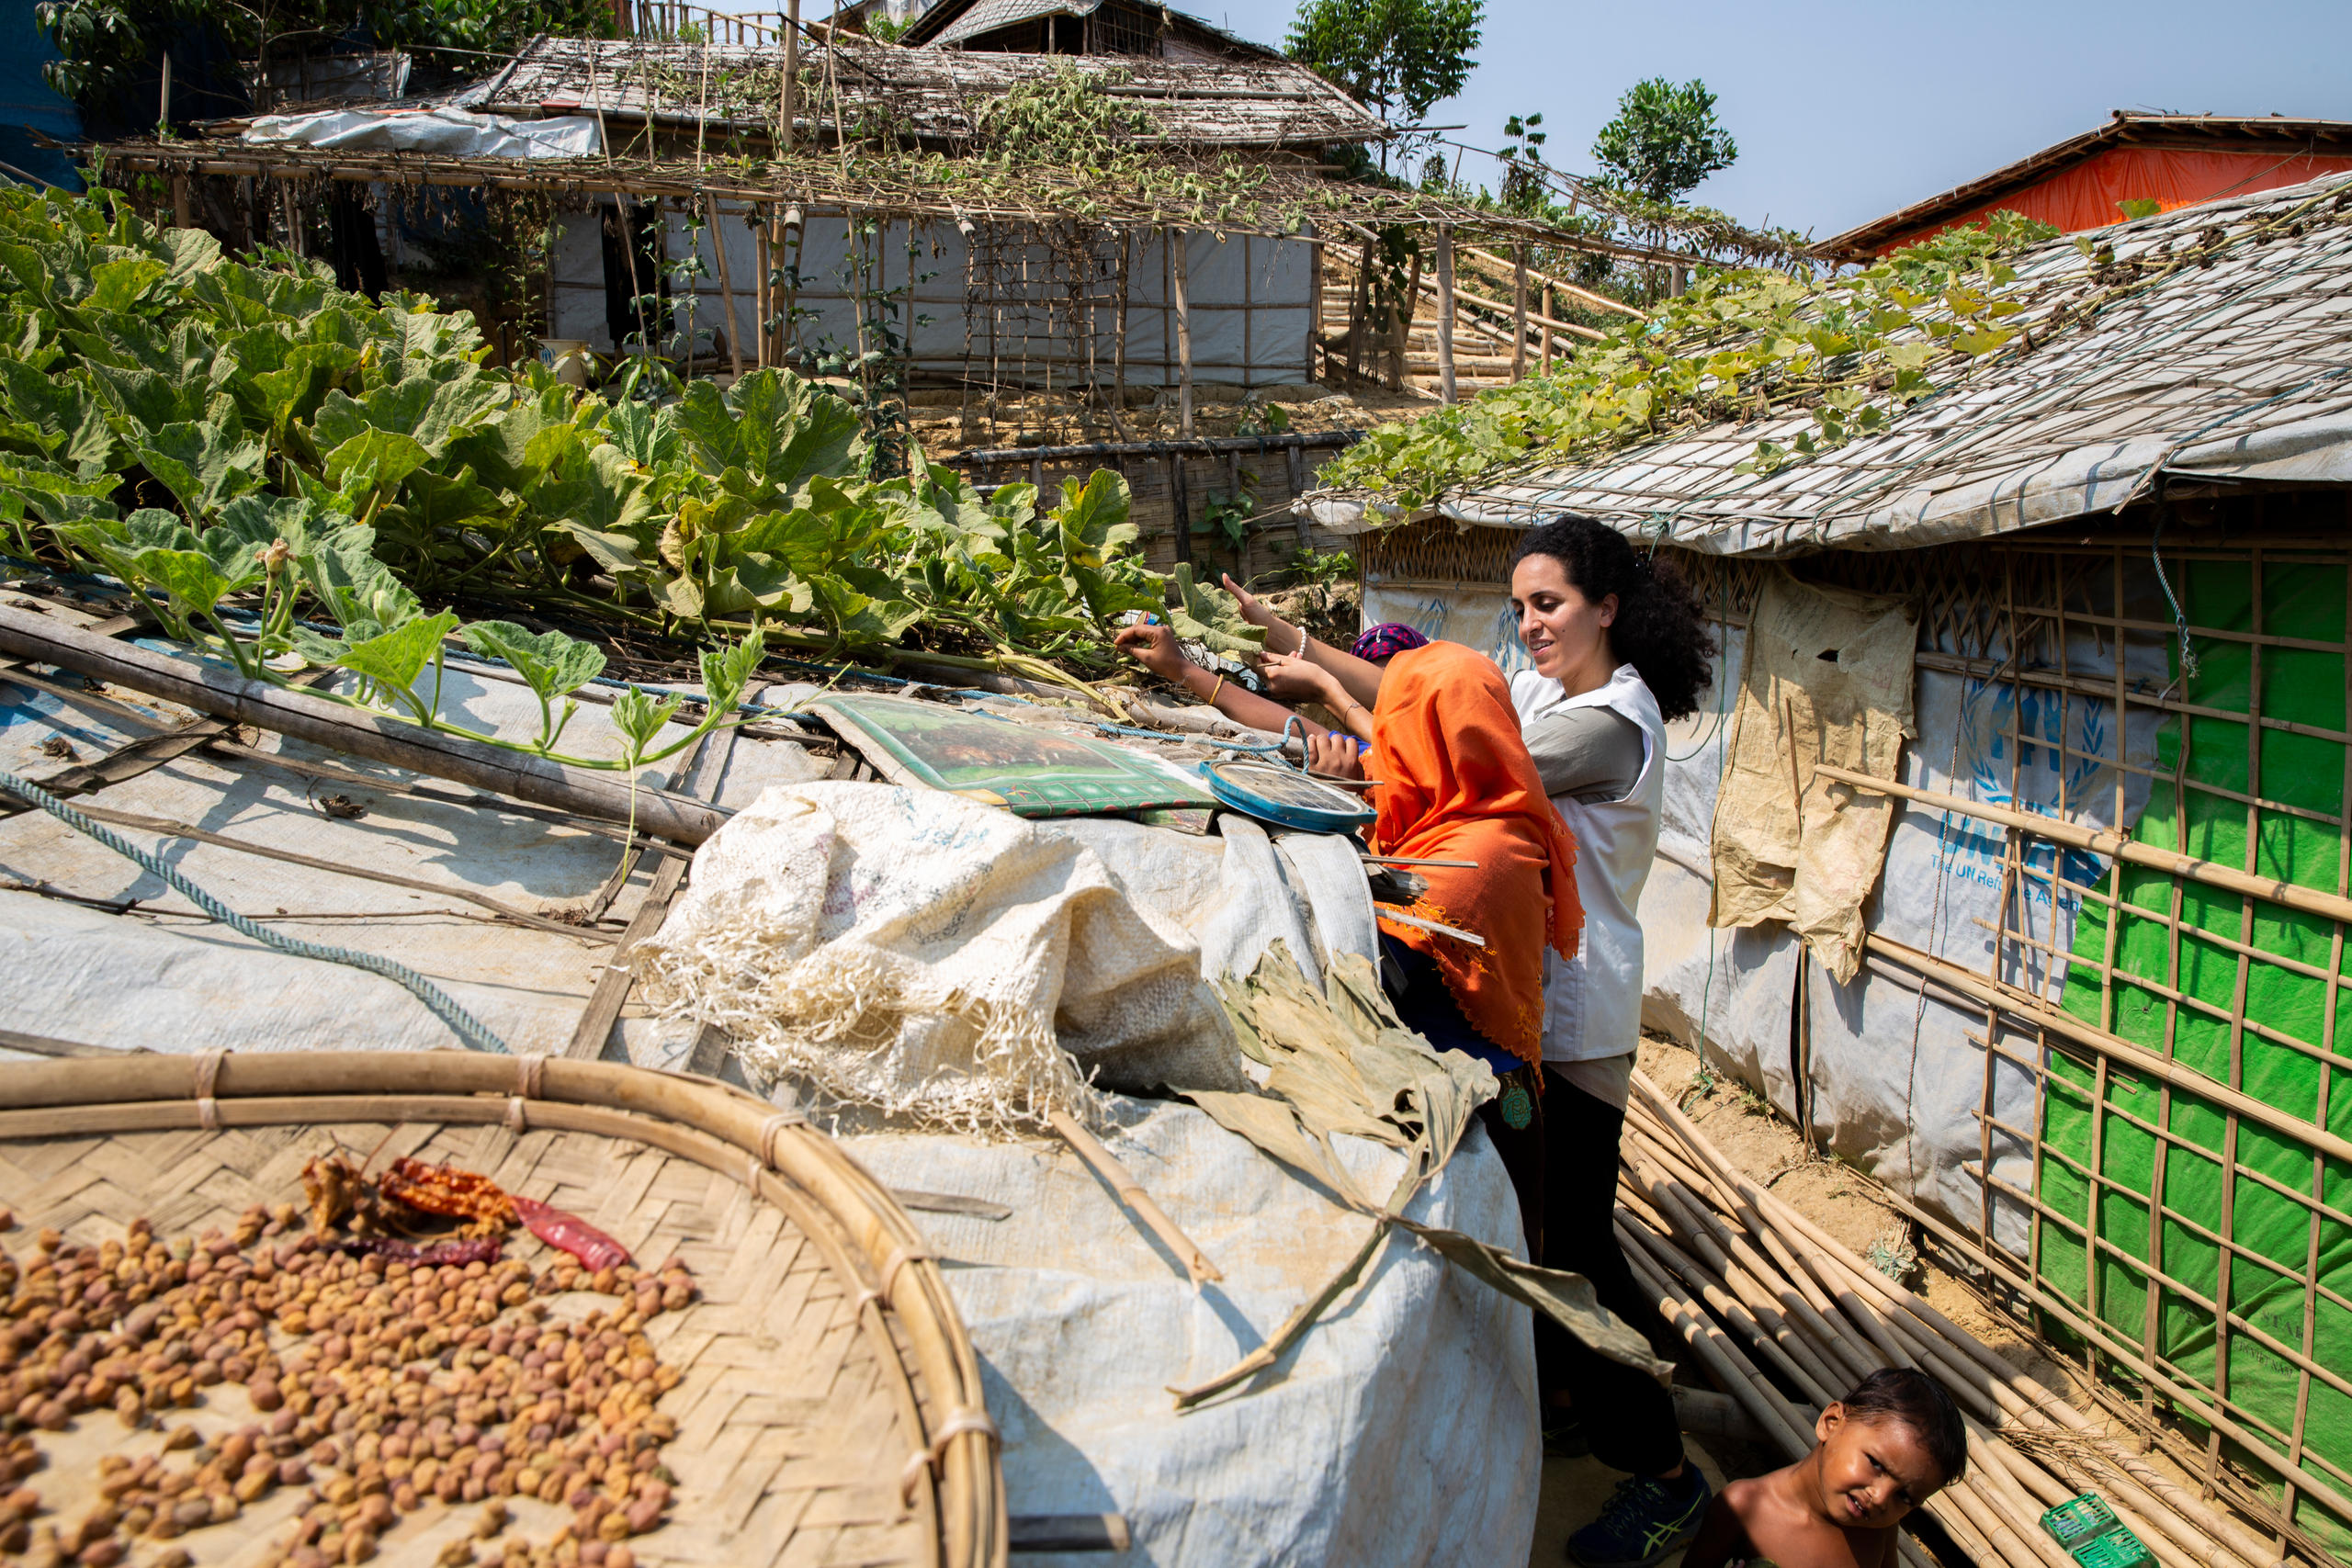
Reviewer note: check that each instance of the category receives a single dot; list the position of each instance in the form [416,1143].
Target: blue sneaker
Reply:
[1644,1521]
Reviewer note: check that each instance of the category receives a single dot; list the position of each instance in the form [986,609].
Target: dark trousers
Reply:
[1626,1416]
[1522,1150]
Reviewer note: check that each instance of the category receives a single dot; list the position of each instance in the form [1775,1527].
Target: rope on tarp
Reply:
[443,1006]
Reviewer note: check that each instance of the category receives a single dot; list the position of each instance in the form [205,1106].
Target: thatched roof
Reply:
[2215,344]
[1189,104]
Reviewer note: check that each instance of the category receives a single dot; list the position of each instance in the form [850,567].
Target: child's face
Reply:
[1872,1472]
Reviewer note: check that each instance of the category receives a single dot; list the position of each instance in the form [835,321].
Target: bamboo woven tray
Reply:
[828,1409]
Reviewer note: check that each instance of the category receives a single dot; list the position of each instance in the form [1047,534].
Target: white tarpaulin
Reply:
[444,132]
[924,954]
[1251,298]
[1401,1431]
[1896,1079]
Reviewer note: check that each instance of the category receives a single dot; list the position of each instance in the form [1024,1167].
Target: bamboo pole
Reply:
[1546,363]
[608,798]
[1178,244]
[1911,1330]
[1598,301]
[1519,313]
[2098,840]
[1447,393]
[1461,294]
[2027,1006]
[786,109]
[1104,1164]
[762,287]
[726,284]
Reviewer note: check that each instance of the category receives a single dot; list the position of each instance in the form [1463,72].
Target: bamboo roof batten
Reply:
[1275,200]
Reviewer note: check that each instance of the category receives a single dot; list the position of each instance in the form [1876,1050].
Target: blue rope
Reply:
[439,1002]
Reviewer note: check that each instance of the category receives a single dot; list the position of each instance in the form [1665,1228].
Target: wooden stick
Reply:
[381,739]
[1544,365]
[1408,860]
[1088,1147]
[1598,301]
[1569,327]
[2025,1005]
[1519,313]
[785,109]
[1386,913]
[1447,393]
[1292,1329]
[1177,241]
[2100,840]
[725,283]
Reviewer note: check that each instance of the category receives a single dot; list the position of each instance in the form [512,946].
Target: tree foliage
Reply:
[1398,56]
[108,45]
[1664,141]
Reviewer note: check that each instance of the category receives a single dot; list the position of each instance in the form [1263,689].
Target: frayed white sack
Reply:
[933,958]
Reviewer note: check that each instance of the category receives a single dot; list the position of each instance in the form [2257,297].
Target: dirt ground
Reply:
[1834,1196]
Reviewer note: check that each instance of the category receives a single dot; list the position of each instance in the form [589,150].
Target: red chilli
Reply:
[594,1249]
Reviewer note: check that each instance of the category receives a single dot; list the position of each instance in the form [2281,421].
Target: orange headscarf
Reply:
[1460,785]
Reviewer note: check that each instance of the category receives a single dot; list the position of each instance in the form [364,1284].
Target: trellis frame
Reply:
[2006,611]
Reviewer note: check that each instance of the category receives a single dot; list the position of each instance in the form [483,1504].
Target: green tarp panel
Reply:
[2300,601]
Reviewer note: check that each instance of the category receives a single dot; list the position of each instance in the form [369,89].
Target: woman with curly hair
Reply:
[1618,649]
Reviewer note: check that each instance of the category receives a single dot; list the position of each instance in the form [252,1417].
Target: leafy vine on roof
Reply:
[1737,345]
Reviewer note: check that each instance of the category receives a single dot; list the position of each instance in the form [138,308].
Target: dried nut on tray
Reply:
[386,1377]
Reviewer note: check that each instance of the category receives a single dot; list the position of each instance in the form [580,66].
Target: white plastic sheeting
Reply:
[1004,312]
[1897,1079]
[1402,1430]
[444,132]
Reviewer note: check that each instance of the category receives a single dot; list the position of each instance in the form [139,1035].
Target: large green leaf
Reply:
[192,580]
[394,659]
[116,285]
[773,426]
[357,590]
[1211,618]
[374,460]
[602,497]
[552,663]
[616,553]
[647,436]
[428,412]
[205,466]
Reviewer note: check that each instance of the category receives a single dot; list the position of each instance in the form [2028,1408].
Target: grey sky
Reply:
[1844,110]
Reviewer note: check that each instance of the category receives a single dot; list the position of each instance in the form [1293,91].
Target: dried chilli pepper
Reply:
[447,1191]
[569,1233]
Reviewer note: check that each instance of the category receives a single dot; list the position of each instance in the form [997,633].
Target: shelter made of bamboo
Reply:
[859,207]
[2092,1030]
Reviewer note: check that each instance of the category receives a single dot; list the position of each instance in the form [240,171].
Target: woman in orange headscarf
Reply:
[1457,784]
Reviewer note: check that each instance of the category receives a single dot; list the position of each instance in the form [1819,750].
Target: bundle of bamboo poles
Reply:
[1767,1300]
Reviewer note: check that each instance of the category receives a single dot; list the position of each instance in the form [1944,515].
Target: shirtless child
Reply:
[1878,1453]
